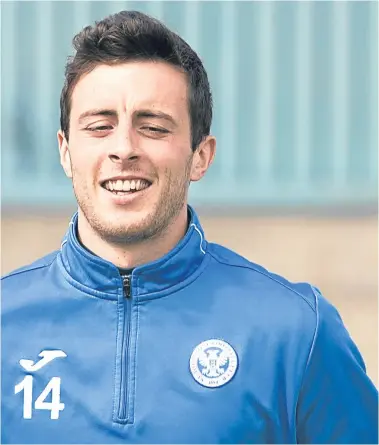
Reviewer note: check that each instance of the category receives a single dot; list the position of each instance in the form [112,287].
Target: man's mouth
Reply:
[123,187]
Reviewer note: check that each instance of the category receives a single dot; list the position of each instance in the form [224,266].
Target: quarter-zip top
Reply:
[200,346]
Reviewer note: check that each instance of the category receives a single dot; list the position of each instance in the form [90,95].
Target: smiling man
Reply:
[127,147]
[138,330]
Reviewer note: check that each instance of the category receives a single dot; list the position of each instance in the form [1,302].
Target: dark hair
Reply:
[132,35]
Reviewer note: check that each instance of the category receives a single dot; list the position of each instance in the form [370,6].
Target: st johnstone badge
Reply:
[213,363]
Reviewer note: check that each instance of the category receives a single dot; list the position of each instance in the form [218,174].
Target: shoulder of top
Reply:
[229,258]
[40,263]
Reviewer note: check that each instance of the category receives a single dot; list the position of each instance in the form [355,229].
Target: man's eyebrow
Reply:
[97,112]
[155,115]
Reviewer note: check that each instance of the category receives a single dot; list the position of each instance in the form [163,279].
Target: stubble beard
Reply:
[152,225]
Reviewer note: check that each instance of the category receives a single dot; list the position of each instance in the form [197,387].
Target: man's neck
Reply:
[133,255]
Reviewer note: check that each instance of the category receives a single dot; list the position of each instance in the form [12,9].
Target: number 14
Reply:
[54,386]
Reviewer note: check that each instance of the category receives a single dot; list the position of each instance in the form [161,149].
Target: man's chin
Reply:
[131,230]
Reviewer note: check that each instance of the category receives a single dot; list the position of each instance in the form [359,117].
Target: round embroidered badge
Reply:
[213,363]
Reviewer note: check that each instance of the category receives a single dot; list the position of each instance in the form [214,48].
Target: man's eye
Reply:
[155,129]
[100,128]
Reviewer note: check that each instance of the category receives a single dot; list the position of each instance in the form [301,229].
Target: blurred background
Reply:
[295,181]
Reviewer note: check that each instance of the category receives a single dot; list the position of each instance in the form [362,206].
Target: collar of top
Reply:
[99,277]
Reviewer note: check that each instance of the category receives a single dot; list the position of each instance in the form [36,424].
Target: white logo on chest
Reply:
[213,363]
[47,357]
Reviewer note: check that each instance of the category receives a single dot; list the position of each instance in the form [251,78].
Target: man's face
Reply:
[129,151]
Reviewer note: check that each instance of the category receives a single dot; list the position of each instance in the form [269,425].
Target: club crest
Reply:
[213,363]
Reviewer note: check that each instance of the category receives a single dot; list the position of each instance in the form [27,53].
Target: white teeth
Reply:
[126,186]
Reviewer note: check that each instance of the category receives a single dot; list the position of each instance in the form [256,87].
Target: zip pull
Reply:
[126,285]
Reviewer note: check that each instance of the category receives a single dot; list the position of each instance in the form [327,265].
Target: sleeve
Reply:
[337,403]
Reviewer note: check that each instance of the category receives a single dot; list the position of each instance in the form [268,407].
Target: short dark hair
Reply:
[131,35]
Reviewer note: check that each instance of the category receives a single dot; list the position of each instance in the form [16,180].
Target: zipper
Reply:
[126,286]
[124,412]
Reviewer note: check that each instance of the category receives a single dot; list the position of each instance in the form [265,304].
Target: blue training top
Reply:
[200,346]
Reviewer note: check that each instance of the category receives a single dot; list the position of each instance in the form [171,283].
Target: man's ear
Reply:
[64,153]
[203,158]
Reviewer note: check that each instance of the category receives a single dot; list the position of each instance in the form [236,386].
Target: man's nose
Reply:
[124,149]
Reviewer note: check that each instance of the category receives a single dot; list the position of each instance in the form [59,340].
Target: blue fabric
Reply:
[126,377]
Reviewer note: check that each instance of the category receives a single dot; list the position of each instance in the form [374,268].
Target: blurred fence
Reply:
[294,84]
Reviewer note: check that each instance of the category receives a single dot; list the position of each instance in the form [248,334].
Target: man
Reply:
[138,330]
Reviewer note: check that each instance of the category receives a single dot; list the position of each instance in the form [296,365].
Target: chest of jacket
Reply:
[193,366]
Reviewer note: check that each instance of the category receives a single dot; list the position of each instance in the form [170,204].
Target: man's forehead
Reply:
[146,85]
